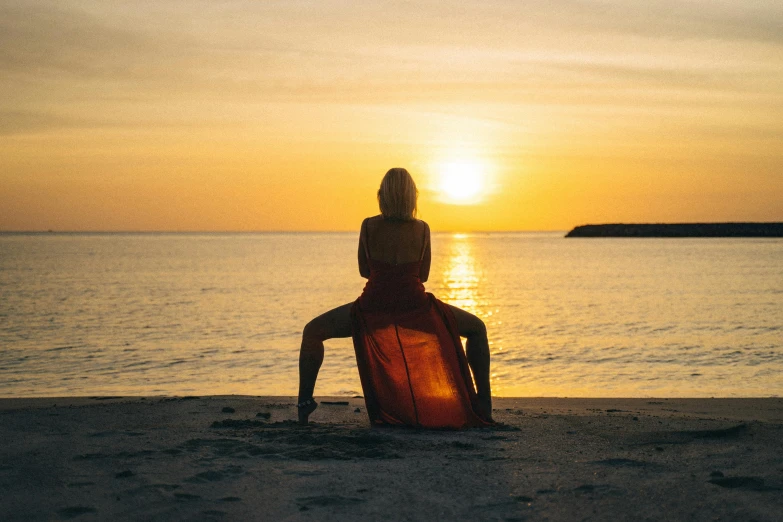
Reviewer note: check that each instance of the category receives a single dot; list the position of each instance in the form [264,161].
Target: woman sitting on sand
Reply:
[413,369]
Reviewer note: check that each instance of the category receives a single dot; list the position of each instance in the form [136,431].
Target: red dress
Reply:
[411,362]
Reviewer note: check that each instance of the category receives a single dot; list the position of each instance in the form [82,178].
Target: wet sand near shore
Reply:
[244,458]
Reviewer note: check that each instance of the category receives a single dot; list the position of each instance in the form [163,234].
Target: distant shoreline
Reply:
[679,230]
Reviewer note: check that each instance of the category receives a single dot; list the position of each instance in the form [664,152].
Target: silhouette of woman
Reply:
[412,366]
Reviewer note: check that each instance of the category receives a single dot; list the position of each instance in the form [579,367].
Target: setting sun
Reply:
[264,116]
[461,183]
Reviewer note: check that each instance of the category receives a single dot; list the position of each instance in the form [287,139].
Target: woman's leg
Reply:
[477,351]
[334,323]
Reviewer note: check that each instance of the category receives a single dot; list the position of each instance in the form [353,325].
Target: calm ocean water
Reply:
[121,314]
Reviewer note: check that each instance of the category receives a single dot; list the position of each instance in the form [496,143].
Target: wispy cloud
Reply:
[96,61]
[640,94]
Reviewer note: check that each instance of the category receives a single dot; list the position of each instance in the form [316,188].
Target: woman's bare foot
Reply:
[485,408]
[305,411]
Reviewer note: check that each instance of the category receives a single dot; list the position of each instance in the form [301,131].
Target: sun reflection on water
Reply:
[462,282]
[461,276]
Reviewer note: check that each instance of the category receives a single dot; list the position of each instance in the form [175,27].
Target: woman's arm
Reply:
[364,265]
[424,272]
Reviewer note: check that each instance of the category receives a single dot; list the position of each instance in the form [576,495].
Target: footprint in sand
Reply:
[186,496]
[215,475]
[688,436]
[238,424]
[306,503]
[207,476]
[605,489]
[744,483]
[164,487]
[627,463]
[75,511]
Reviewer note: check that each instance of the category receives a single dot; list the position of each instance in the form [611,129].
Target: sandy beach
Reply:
[243,458]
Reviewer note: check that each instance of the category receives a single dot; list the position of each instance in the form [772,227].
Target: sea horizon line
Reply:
[206,232]
[346,231]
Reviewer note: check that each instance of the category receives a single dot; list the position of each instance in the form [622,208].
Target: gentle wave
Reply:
[140,314]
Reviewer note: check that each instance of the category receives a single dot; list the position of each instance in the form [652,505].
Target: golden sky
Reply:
[284,115]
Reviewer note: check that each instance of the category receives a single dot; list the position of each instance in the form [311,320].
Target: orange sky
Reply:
[181,115]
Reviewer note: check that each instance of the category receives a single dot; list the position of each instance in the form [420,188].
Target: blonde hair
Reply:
[398,195]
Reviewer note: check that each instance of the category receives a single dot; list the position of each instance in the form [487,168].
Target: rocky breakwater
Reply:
[679,230]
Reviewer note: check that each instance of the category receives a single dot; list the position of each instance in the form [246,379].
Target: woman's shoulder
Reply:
[374,221]
[371,222]
[420,223]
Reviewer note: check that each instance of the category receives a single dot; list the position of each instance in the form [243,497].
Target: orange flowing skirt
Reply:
[412,365]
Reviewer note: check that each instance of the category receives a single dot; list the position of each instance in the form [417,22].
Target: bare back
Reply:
[395,242]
